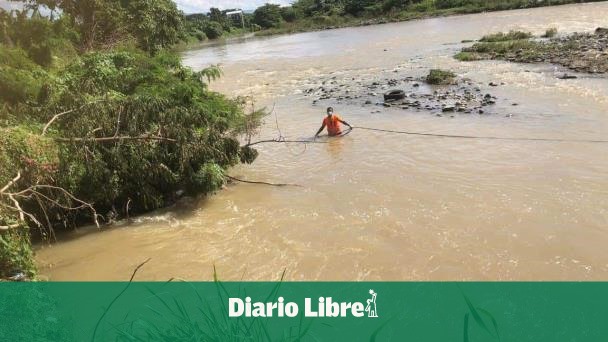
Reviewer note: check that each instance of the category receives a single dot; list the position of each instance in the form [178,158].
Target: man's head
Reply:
[330,111]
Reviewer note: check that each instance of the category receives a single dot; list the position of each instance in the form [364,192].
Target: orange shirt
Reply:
[333,125]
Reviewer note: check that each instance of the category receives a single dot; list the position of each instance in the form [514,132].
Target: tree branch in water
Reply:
[262,183]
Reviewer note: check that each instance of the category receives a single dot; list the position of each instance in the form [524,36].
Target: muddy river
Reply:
[379,206]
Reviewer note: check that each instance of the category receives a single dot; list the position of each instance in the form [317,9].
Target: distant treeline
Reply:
[305,15]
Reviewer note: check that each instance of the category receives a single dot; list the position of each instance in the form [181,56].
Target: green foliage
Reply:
[156,24]
[153,24]
[438,76]
[19,85]
[288,14]
[217,16]
[501,47]
[21,149]
[356,12]
[136,126]
[16,255]
[213,30]
[248,154]
[503,37]
[312,8]
[466,56]
[209,178]
[147,96]
[357,7]
[268,16]
[200,36]
[550,33]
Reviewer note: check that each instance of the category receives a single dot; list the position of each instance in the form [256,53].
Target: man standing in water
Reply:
[332,122]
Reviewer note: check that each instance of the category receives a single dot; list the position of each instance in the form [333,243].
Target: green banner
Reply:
[303,311]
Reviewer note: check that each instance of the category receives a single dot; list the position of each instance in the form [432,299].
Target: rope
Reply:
[283,140]
[478,137]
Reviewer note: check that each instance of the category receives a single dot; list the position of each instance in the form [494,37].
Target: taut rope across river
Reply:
[436,135]
[480,137]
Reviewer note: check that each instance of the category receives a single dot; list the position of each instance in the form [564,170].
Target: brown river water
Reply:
[379,206]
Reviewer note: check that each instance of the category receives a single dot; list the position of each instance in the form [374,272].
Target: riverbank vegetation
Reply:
[99,120]
[584,52]
[310,15]
[307,15]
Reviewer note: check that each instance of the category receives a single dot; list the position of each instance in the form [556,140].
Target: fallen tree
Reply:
[105,134]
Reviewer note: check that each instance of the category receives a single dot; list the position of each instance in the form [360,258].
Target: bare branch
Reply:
[13,181]
[46,216]
[57,116]
[83,204]
[114,139]
[33,191]
[18,207]
[10,226]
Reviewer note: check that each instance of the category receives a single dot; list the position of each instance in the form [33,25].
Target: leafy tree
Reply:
[213,30]
[156,24]
[268,16]
[356,7]
[311,8]
[215,14]
[288,14]
[220,17]
[101,23]
[124,127]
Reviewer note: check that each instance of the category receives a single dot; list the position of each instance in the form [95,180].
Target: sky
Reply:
[9,5]
[197,6]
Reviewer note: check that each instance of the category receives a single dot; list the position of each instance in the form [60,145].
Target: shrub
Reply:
[466,56]
[18,86]
[357,7]
[550,33]
[501,47]
[16,255]
[200,36]
[268,16]
[213,30]
[288,14]
[502,37]
[438,76]
[209,178]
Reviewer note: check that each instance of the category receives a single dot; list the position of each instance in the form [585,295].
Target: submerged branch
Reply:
[263,183]
[285,141]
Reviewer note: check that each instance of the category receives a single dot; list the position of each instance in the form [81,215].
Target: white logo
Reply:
[371,305]
[321,307]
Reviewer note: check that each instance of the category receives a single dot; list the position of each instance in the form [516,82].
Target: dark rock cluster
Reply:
[462,96]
